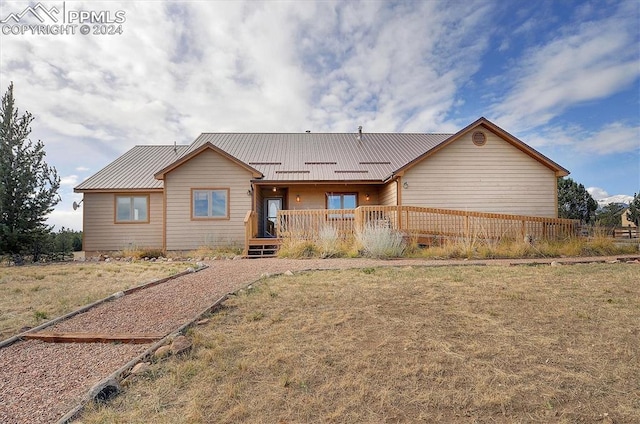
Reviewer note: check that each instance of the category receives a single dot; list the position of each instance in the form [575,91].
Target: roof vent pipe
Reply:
[360,132]
[175,147]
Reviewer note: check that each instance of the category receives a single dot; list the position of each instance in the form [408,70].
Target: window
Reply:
[132,208]
[342,201]
[210,203]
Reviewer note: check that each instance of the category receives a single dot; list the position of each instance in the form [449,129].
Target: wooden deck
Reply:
[417,222]
[420,221]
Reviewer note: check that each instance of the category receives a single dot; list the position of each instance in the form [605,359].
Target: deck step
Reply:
[263,248]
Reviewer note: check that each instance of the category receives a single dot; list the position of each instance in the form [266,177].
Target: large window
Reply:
[210,203]
[342,201]
[132,209]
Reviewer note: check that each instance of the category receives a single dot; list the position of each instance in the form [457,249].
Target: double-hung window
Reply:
[210,203]
[132,209]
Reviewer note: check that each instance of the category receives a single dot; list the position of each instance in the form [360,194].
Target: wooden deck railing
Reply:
[307,224]
[419,221]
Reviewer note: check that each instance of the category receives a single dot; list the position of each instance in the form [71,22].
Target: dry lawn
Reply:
[32,294]
[404,345]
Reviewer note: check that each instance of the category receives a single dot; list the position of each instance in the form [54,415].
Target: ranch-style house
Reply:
[251,189]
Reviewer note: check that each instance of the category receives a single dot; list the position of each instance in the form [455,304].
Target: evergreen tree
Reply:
[633,214]
[574,201]
[28,186]
[609,216]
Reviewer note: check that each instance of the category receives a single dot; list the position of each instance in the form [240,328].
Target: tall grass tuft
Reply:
[297,249]
[328,242]
[379,241]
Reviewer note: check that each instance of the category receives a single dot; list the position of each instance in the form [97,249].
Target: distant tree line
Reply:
[575,202]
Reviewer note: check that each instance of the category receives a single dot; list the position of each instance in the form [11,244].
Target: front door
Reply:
[271,207]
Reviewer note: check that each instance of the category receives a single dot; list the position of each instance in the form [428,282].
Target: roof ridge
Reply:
[324,133]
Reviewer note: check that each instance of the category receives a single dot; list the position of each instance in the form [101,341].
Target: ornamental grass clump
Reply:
[380,241]
[328,242]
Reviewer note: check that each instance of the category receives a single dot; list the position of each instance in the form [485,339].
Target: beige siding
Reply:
[389,194]
[496,177]
[624,221]
[315,196]
[101,234]
[205,171]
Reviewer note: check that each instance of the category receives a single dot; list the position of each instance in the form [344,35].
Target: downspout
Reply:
[164,218]
[399,200]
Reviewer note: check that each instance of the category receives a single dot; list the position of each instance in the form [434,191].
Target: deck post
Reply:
[357,218]
[466,225]
[248,231]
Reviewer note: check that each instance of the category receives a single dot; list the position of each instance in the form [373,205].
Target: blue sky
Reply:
[563,76]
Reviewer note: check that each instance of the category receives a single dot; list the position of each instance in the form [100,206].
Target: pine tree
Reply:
[28,186]
[633,214]
[574,201]
[609,215]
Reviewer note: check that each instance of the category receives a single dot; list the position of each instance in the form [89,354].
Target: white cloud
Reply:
[614,138]
[69,180]
[610,139]
[592,60]
[597,193]
[67,218]
[82,169]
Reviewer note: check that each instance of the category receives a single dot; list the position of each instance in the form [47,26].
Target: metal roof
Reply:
[293,157]
[322,156]
[134,169]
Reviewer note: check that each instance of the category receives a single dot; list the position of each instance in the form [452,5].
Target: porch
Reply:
[425,224]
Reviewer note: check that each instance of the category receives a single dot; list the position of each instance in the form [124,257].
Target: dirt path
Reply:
[40,382]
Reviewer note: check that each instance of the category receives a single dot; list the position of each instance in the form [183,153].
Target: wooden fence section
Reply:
[626,232]
[419,221]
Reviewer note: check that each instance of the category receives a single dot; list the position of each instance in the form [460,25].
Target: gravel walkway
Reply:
[40,382]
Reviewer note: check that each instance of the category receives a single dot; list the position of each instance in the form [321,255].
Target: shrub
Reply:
[379,241]
[141,253]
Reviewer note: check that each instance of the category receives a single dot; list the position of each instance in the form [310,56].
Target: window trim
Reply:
[131,196]
[211,218]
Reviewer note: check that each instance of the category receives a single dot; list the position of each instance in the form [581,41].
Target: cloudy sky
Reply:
[561,76]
